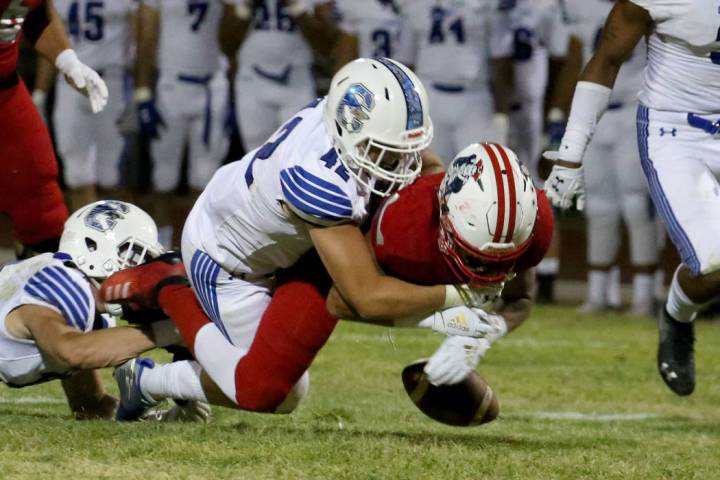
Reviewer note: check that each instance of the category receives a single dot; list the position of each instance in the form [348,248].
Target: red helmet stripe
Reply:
[511,187]
[500,223]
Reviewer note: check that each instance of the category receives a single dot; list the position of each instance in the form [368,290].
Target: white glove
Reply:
[295,8]
[461,321]
[565,186]
[192,411]
[243,9]
[471,296]
[453,361]
[83,78]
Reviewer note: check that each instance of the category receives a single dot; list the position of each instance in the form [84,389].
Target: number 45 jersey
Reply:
[683,70]
[254,216]
[99,30]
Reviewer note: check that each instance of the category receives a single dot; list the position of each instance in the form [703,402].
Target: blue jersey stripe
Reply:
[46,293]
[413,104]
[59,295]
[309,205]
[75,291]
[204,272]
[78,288]
[318,181]
[312,188]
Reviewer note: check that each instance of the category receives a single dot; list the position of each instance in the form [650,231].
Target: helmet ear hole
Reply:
[90,244]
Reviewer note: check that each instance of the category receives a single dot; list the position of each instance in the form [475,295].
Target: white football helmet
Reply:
[378,118]
[488,208]
[107,236]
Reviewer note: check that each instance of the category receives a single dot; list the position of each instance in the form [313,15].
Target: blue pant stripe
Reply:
[678,236]
[204,272]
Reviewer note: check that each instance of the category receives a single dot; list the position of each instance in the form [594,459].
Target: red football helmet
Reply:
[488,208]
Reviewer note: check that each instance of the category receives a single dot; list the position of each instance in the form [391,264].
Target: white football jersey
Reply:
[683,66]
[188,35]
[586,20]
[243,218]
[376,23]
[274,42]
[99,30]
[539,32]
[42,280]
[452,41]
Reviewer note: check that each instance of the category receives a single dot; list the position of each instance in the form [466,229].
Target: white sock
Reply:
[678,305]
[643,291]
[614,298]
[659,278]
[218,358]
[179,380]
[597,286]
[549,266]
[165,236]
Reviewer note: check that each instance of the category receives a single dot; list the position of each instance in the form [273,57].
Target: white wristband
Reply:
[589,103]
[39,97]
[65,59]
[242,11]
[142,94]
[452,297]
[165,333]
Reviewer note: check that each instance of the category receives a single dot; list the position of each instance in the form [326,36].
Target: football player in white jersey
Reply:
[616,189]
[52,320]
[276,40]
[308,186]
[368,29]
[457,47]
[100,33]
[677,127]
[191,105]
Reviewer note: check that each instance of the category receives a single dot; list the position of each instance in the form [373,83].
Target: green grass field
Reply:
[580,398]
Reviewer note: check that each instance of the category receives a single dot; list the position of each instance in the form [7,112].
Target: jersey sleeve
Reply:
[315,198]
[500,34]
[661,9]
[66,291]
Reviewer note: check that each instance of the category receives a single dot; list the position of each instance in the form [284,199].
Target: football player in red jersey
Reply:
[479,224]
[28,175]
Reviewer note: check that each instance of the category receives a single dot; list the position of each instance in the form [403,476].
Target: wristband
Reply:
[142,94]
[589,103]
[65,59]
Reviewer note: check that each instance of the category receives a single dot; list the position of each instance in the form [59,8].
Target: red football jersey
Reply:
[404,235]
[14,16]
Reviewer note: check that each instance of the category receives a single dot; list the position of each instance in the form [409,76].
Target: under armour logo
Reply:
[669,131]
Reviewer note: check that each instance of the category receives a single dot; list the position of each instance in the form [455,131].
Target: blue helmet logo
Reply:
[354,107]
[104,217]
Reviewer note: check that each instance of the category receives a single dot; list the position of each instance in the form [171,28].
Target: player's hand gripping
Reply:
[83,78]
[461,321]
[455,359]
[565,186]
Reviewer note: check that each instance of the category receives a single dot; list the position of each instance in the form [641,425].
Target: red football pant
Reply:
[28,170]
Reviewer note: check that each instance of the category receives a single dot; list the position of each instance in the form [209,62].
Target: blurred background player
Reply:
[277,39]
[191,102]
[616,189]
[458,49]
[368,29]
[91,146]
[30,192]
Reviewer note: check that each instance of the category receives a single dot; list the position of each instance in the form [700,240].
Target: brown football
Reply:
[470,402]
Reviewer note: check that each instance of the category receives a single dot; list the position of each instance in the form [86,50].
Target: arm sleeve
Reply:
[36,21]
[315,199]
[661,9]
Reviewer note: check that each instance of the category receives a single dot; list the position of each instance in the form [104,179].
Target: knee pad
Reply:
[296,395]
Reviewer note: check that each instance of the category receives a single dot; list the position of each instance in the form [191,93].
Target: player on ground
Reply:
[30,192]
[676,127]
[181,38]
[276,41]
[458,48]
[52,320]
[100,32]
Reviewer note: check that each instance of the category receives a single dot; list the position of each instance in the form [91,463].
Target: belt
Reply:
[713,128]
[9,81]
[282,78]
[448,88]
[615,105]
[203,81]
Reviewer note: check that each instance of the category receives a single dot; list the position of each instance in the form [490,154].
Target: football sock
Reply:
[643,293]
[179,380]
[614,298]
[678,305]
[597,286]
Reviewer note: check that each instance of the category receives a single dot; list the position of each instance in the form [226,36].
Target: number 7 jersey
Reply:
[683,69]
[254,216]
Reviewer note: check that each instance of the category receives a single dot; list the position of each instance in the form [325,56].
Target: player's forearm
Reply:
[53,39]
[148,27]
[321,36]
[44,75]
[516,312]
[105,348]
[346,49]
[232,31]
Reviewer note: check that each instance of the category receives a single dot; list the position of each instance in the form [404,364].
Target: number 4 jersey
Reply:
[683,70]
[254,215]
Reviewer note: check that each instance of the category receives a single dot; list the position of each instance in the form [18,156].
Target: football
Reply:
[470,402]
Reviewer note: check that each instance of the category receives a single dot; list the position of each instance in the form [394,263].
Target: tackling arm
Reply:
[52,39]
[87,397]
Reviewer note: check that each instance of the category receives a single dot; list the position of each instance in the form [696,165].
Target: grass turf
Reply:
[580,398]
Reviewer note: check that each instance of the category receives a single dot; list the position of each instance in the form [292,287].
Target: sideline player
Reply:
[101,34]
[458,49]
[676,128]
[52,320]
[28,176]
[277,40]
[310,184]
[192,97]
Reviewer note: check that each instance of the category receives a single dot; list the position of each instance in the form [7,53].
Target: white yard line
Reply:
[589,417]
[31,400]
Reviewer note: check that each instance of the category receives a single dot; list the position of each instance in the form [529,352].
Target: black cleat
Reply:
[676,357]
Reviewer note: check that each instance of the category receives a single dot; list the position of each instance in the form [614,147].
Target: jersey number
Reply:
[92,26]
[198,10]
[437,33]
[262,20]
[381,40]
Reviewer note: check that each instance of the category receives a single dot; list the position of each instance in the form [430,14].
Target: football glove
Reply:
[456,357]
[460,321]
[191,411]
[83,78]
[565,186]
[150,122]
